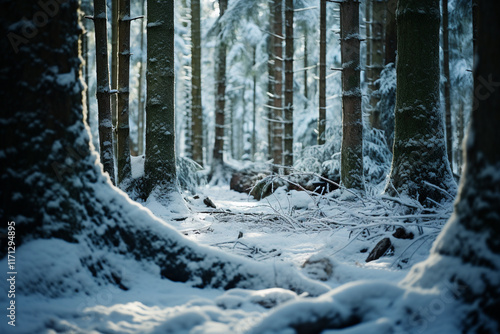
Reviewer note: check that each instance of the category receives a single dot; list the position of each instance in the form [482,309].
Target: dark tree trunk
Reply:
[220,98]
[270,85]
[114,71]
[196,105]
[306,64]
[391,32]
[254,105]
[103,91]
[277,124]
[123,131]
[159,166]
[420,167]
[446,72]
[322,74]
[352,123]
[288,106]
[377,60]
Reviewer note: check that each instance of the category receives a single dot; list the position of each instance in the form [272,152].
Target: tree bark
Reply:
[377,60]
[352,123]
[288,106]
[159,166]
[466,255]
[103,91]
[446,72]
[196,103]
[277,124]
[420,167]
[270,85]
[220,98]
[254,104]
[306,64]
[322,74]
[114,71]
[390,32]
[123,134]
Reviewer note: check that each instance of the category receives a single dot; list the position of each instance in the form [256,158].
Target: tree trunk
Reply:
[254,104]
[85,5]
[377,60]
[446,70]
[288,109]
[278,84]
[196,105]
[140,92]
[466,255]
[420,167]
[270,83]
[102,91]
[220,98]
[352,123]
[114,71]
[460,137]
[159,166]
[123,136]
[390,32]
[368,43]
[322,74]
[306,64]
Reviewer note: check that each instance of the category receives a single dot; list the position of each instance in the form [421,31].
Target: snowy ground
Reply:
[284,227]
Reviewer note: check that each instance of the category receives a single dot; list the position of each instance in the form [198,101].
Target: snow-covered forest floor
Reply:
[334,232]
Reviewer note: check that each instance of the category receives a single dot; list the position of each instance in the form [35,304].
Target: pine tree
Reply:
[446,72]
[322,74]
[376,59]
[288,106]
[277,124]
[124,171]
[196,103]
[103,89]
[352,123]
[159,166]
[220,98]
[420,167]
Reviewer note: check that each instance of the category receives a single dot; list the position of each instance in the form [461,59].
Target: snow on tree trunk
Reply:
[277,124]
[254,105]
[352,123]
[103,91]
[420,167]
[288,107]
[270,84]
[159,166]
[124,171]
[322,74]
[220,98]
[53,185]
[196,109]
